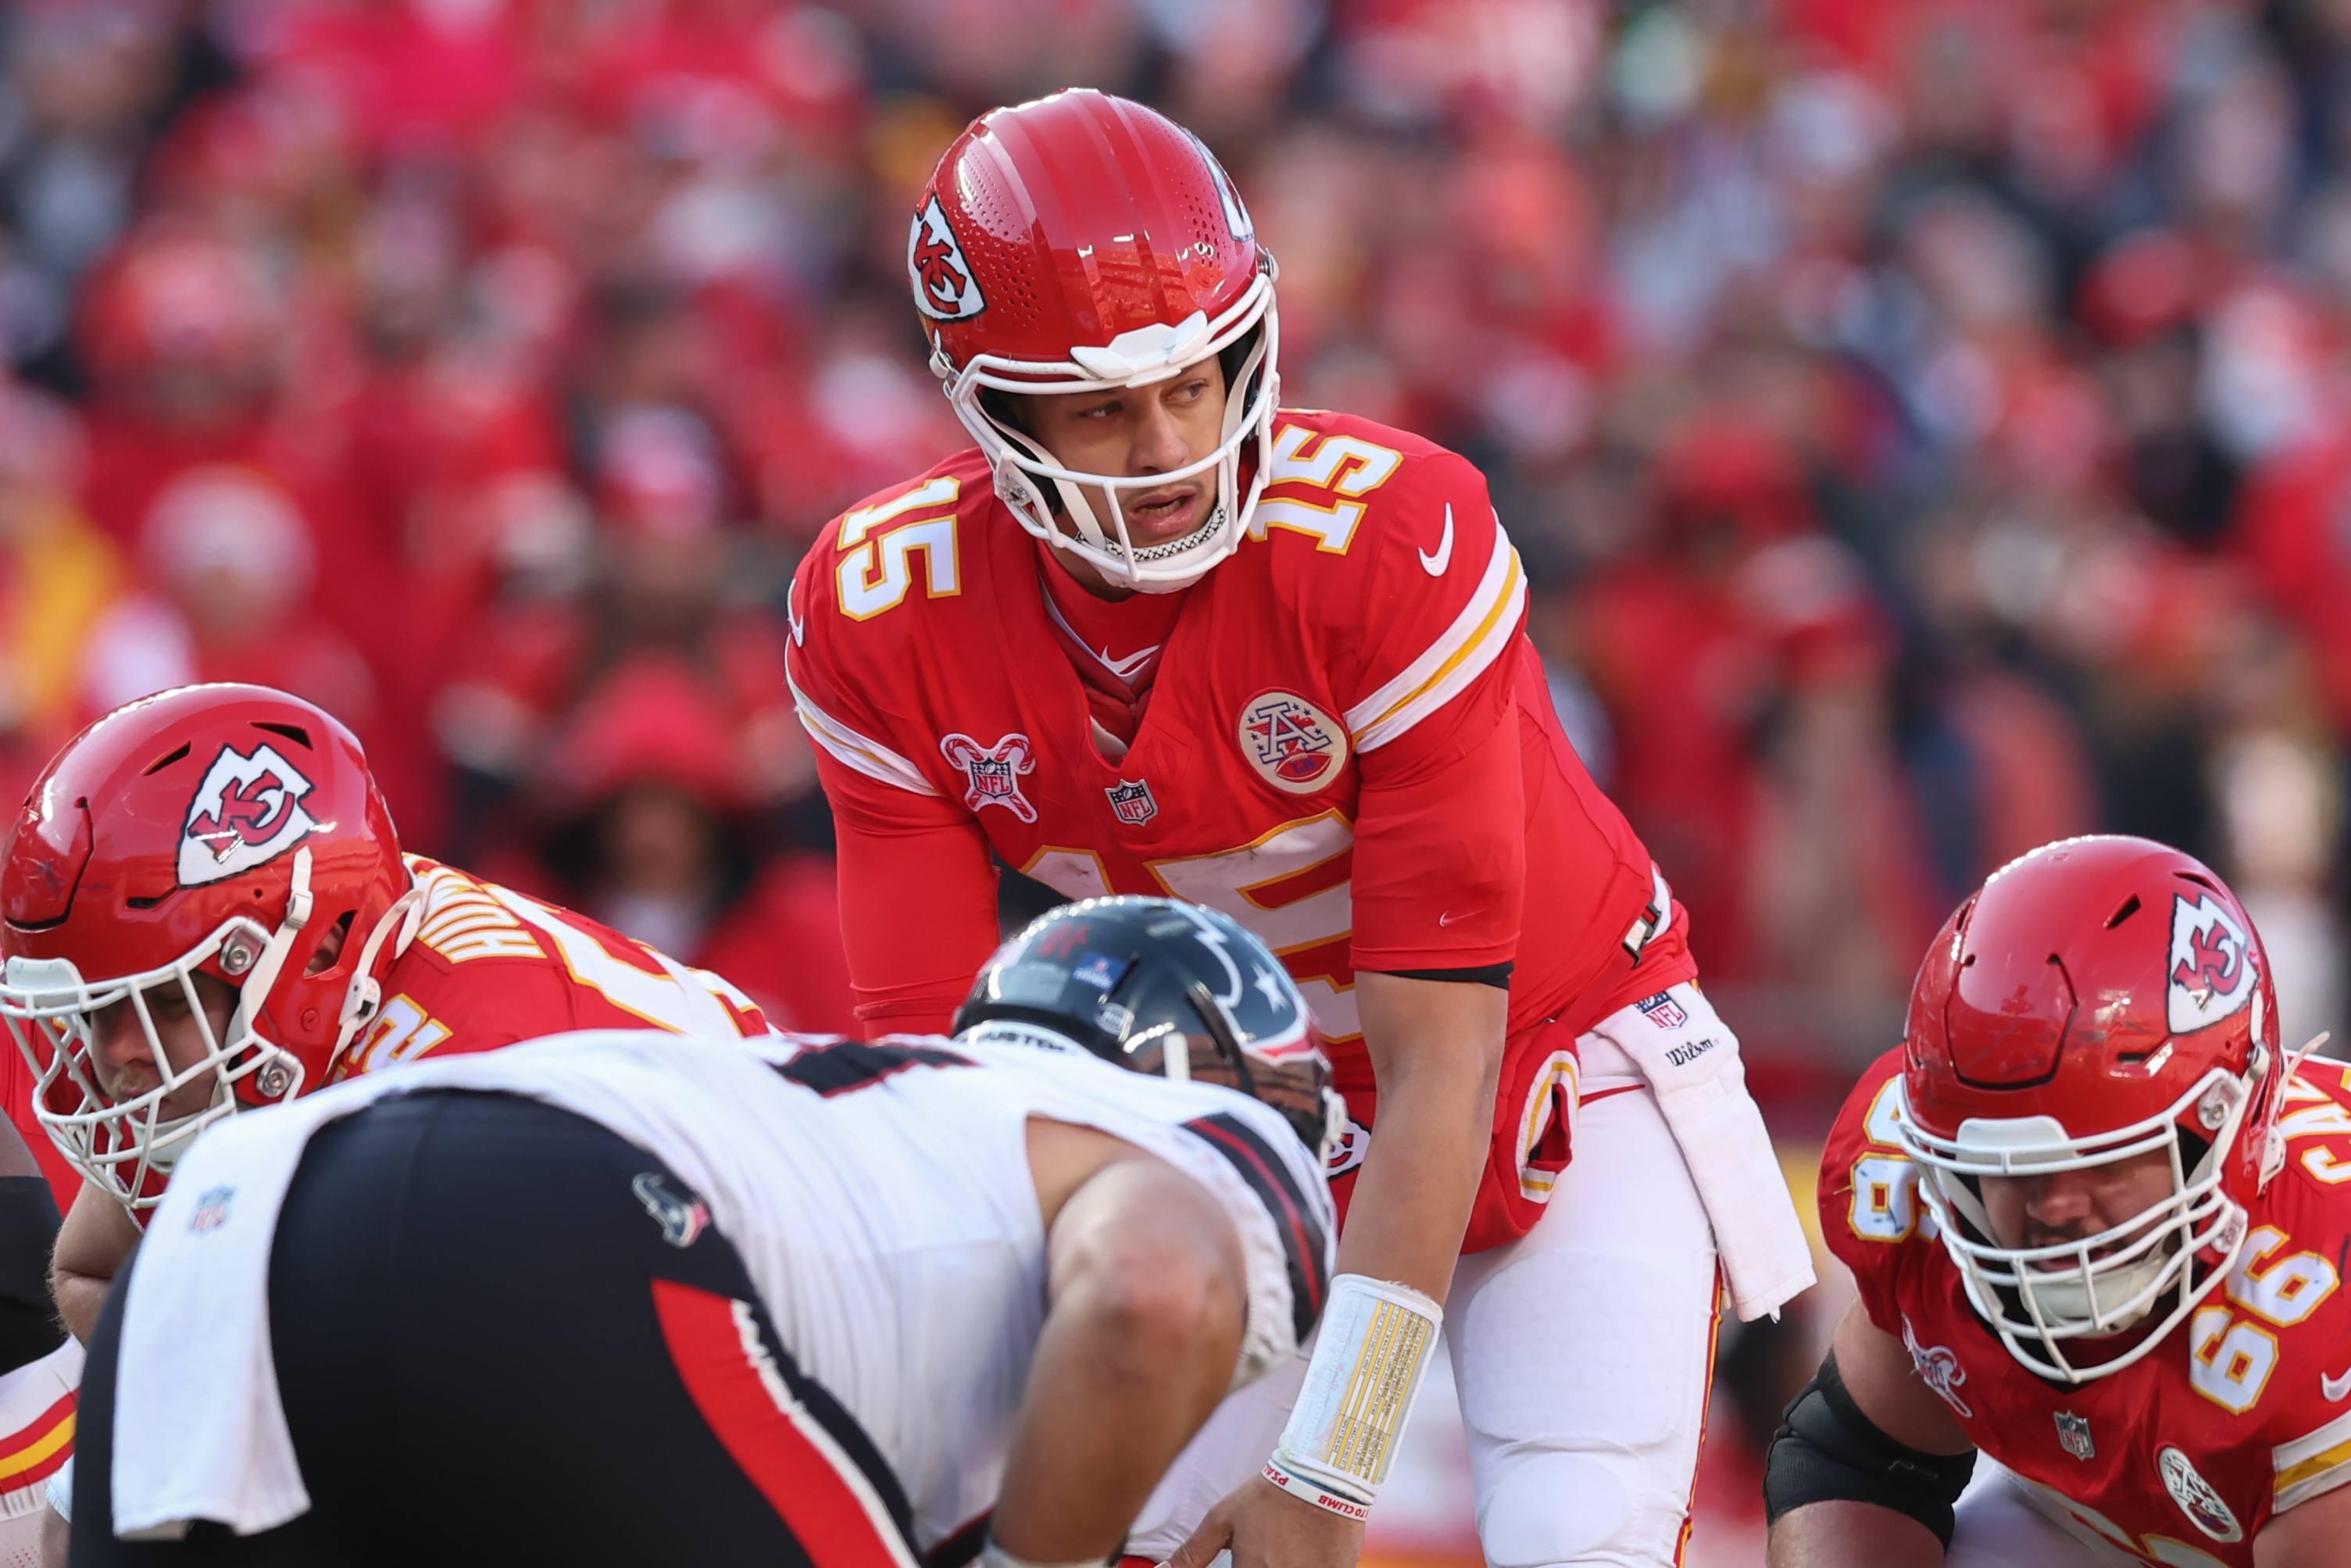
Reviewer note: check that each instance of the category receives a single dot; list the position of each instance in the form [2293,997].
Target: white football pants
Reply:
[1582,1352]
[2001,1523]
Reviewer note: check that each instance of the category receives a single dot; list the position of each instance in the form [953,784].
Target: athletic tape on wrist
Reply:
[1360,1386]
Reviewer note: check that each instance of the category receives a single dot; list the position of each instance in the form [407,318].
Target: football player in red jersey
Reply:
[1156,635]
[204,905]
[2099,1229]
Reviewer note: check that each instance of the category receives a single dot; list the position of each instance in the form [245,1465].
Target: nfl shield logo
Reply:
[1133,802]
[994,771]
[2074,1434]
[1664,1011]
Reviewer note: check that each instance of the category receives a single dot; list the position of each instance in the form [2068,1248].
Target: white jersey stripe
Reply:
[2312,1464]
[1476,639]
[852,749]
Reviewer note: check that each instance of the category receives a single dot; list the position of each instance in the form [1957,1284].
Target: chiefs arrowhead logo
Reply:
[248,810]
[944,288]
[2212,964]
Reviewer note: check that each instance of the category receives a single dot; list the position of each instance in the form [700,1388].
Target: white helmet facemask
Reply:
[1143,358]
[53,1013]
[2041,1299]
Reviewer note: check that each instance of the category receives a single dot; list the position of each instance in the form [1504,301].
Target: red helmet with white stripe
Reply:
[1082,244]
[2100,999]
[222,830]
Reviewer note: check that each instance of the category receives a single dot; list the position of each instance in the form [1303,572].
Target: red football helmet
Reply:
[1081,243]
[221,829]
[2100,999]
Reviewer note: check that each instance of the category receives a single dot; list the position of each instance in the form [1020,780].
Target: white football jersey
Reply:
[879,1193]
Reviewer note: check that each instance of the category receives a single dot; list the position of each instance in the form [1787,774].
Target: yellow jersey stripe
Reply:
[1485,630]
[32,1454]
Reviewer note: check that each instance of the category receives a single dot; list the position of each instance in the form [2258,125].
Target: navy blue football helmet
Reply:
[1164,987]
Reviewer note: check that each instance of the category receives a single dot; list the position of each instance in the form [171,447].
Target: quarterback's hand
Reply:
[1264,1527]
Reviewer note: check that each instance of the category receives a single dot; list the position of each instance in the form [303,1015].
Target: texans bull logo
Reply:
[944,288]
[248,810]
[2212,968]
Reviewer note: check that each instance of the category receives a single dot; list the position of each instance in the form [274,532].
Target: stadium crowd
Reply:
[1924,421]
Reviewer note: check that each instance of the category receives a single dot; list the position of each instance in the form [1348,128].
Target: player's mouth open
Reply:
[1159,515]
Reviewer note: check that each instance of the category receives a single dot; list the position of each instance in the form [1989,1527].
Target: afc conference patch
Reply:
[1294,745]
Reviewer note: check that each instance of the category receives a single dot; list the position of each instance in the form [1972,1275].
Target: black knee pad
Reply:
[1827,1450]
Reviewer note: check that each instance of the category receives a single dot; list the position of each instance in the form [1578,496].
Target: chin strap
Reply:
[2273,1136]
[365,994]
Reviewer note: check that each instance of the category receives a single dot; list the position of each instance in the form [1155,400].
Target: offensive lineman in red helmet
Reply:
[2099,1229]
[1157,634]
[204,907]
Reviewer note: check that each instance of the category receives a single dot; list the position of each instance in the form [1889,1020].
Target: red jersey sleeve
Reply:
[1441,860]
[917,905]
[918,883]
[1417,655]
[16,1085]
[1870,1212]
[2278,1351]
[1423,657]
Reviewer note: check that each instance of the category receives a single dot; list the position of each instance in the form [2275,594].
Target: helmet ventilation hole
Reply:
[293,732]
[2129,909]
[164,762]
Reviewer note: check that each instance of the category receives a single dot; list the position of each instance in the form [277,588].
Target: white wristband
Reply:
[1360,1386]
[1305,1489]
[994,1556]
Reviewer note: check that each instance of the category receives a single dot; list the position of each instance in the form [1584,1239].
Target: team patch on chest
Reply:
[1293,744]
[2197,1498]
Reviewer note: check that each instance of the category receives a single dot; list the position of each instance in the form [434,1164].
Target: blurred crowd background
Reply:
[1926,421]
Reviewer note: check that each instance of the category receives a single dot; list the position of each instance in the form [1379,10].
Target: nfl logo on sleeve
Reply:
[2074,1436]
[1131,802]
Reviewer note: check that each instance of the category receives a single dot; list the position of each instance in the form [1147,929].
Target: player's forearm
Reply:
[1436,1048]
[1852,1535]
[97,1236]
[79,1298]
[1148,1307]
[2314,1534]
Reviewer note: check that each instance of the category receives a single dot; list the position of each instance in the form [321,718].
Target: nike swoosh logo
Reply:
[1447,918]
[1435,565]
[1124,668]
[2335,1388]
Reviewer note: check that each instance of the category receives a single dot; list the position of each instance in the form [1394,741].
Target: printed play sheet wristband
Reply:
[1365,1373]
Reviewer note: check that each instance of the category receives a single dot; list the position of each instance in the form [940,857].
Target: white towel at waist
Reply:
[1681,1045]
[202,1436]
